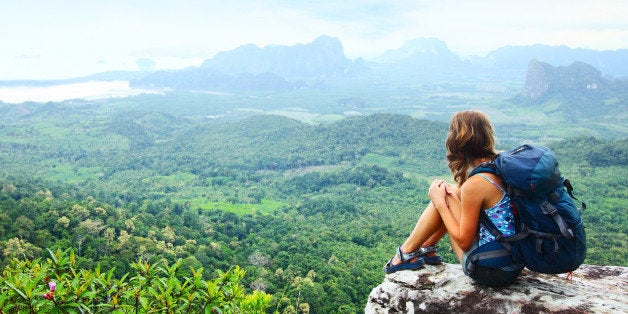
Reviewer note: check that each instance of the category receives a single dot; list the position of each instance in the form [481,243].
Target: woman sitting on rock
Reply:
[455,210]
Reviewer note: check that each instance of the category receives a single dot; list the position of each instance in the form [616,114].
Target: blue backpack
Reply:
[550,236]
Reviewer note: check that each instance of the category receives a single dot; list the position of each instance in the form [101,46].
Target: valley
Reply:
[153,177]
[306,183]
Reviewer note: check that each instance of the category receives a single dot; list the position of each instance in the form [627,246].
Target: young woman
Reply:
[455,210]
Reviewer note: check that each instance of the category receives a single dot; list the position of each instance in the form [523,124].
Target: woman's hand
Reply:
[451,191]
[438,194]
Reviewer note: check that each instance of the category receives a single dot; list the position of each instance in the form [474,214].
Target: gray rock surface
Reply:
[445,289]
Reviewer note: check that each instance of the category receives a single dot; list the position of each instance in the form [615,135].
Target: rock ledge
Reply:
[445,289]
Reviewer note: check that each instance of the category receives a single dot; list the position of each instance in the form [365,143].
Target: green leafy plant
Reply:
[58,286]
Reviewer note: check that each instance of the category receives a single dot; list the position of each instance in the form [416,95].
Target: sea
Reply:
[15,94]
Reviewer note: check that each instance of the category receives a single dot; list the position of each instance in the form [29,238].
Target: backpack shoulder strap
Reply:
[489,225]
[488,167]
[484,167]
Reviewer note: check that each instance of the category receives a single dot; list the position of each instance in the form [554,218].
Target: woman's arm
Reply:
[460,214]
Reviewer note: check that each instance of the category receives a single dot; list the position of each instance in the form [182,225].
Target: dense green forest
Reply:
[311,212]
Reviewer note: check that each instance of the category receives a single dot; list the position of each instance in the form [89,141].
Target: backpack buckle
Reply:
[548,208]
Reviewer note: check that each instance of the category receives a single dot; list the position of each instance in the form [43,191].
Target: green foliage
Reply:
[59,286]
[599,172]
[311,212]
[594,152]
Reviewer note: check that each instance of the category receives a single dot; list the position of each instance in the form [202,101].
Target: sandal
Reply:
[431,260]
[389,268]
[420,254]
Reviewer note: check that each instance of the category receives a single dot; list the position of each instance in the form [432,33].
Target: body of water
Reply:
[61,92]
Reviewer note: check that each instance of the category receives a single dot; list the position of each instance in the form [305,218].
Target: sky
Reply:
[44,39]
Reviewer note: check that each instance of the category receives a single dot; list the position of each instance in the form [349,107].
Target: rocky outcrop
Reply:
[445,289]
[538,79]
[543,79]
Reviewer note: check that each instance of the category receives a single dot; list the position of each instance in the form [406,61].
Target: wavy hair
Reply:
[471,136]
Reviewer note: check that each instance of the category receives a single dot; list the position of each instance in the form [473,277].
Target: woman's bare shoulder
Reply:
[472,183]
[478,185]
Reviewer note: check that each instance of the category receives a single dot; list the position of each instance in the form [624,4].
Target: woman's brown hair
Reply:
[471,136]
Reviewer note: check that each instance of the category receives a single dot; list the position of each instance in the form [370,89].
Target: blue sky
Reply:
[44,39]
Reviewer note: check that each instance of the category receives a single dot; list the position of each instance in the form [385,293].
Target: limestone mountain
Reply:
[250,67]
[544,79]
[420,60]
[422,52]
[578,90]
[321,58]
[509,58]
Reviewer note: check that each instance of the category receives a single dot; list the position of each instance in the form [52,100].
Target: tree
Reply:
[18,248]
[63,222]
[23,227]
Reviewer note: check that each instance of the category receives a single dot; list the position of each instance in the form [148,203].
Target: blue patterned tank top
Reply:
[500,214]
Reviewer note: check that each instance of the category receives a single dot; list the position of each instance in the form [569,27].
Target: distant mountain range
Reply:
[430,57]
[419,60]
[614,63]
[251,67]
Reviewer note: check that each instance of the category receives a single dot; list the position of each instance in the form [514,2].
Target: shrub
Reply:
[57,286]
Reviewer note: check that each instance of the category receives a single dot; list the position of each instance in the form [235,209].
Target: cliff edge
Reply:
[445,289]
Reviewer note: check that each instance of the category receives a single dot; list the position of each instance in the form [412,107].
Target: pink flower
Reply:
[48,296]
[52,285]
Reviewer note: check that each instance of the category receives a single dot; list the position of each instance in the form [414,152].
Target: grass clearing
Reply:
[178,179]
[382,161]
[267,206]
[73,174]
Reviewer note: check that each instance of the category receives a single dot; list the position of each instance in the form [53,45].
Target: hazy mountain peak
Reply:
[423,45]
[513,57]
[327,40]
[543,78]
[430,51]
[323,56]
[578,90]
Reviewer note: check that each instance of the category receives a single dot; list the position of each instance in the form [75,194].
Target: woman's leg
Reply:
[454,245]
[457,249]
[428,230]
